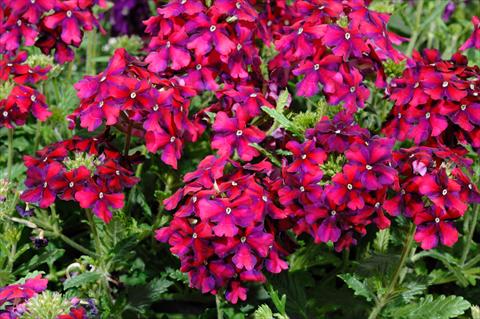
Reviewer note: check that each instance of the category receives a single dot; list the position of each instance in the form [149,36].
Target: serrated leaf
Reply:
[359,288]
[381,241]
[82,279]
[311,255]
[431,307]
[263,312]
[282,120]
[282,101]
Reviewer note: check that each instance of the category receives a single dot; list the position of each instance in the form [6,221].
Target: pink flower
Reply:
[474,40]
[100,199]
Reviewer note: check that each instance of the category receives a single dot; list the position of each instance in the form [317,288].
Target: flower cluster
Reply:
[228,228]
[88,171]
[335,208]
[138,102]
[434,191]
[436,100]
[30,299]
[335,44]
[17,99]
[47,24]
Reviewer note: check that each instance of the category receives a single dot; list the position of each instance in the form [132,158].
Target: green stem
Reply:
[10,154]
[93,227]
[128,140]
[416,31]
[91,51]
[218,303]
[383,300]
[471,231]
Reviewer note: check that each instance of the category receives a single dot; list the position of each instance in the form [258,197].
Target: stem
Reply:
[91,50]
[10,153]
[218,303]
[129,138]
[471,231]
[93,227]
[383,300]
[416,31]
[75,245]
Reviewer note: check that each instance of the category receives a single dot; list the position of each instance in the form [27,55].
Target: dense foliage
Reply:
[239,159]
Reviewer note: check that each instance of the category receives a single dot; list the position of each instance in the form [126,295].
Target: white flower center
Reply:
[416,85]
[183,2]
[5,113]
[347,36]
[349,186]
[117,172]
[19,22]
[463,107]
[337,132]
[45,185]
[100,195]
[33,98]
[316,67]
[437,220]
[444,192]
[243,239]
[333,213]
[32,1]
[368,167]
[228,210]
[377,204]
[103,78]
[172,139]
[304,156]
[253,95]
[194,235]
[234,183]
[69,13]
[399,115]
[352,89]
[445,84]
[239,133]
[300,31]
[168,44]
[9,64]
[100,105]
[194,199]
[238,5]
[198,66]
[213,28]
[133,95]
[302,189]
[427,115]
[155,107]
[264,198]
[239,47]
[70,184]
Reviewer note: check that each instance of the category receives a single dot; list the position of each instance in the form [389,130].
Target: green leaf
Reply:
[431,307]
[359,288]
[263,312]
[282,101]
[381,241]
[82,279]
[282,120]
[312,255]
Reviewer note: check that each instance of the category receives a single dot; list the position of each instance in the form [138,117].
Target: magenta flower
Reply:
[227,215]
[254,240]
[208,33]
[372,163]
[442,191]
[234,134]
[71,17]
[170,52]
[72,182]
[345,43]
[474,40]
[100,199]
[42,184]
[175,8]
[350,90]
[347,188]
[307,157]
[434,225]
